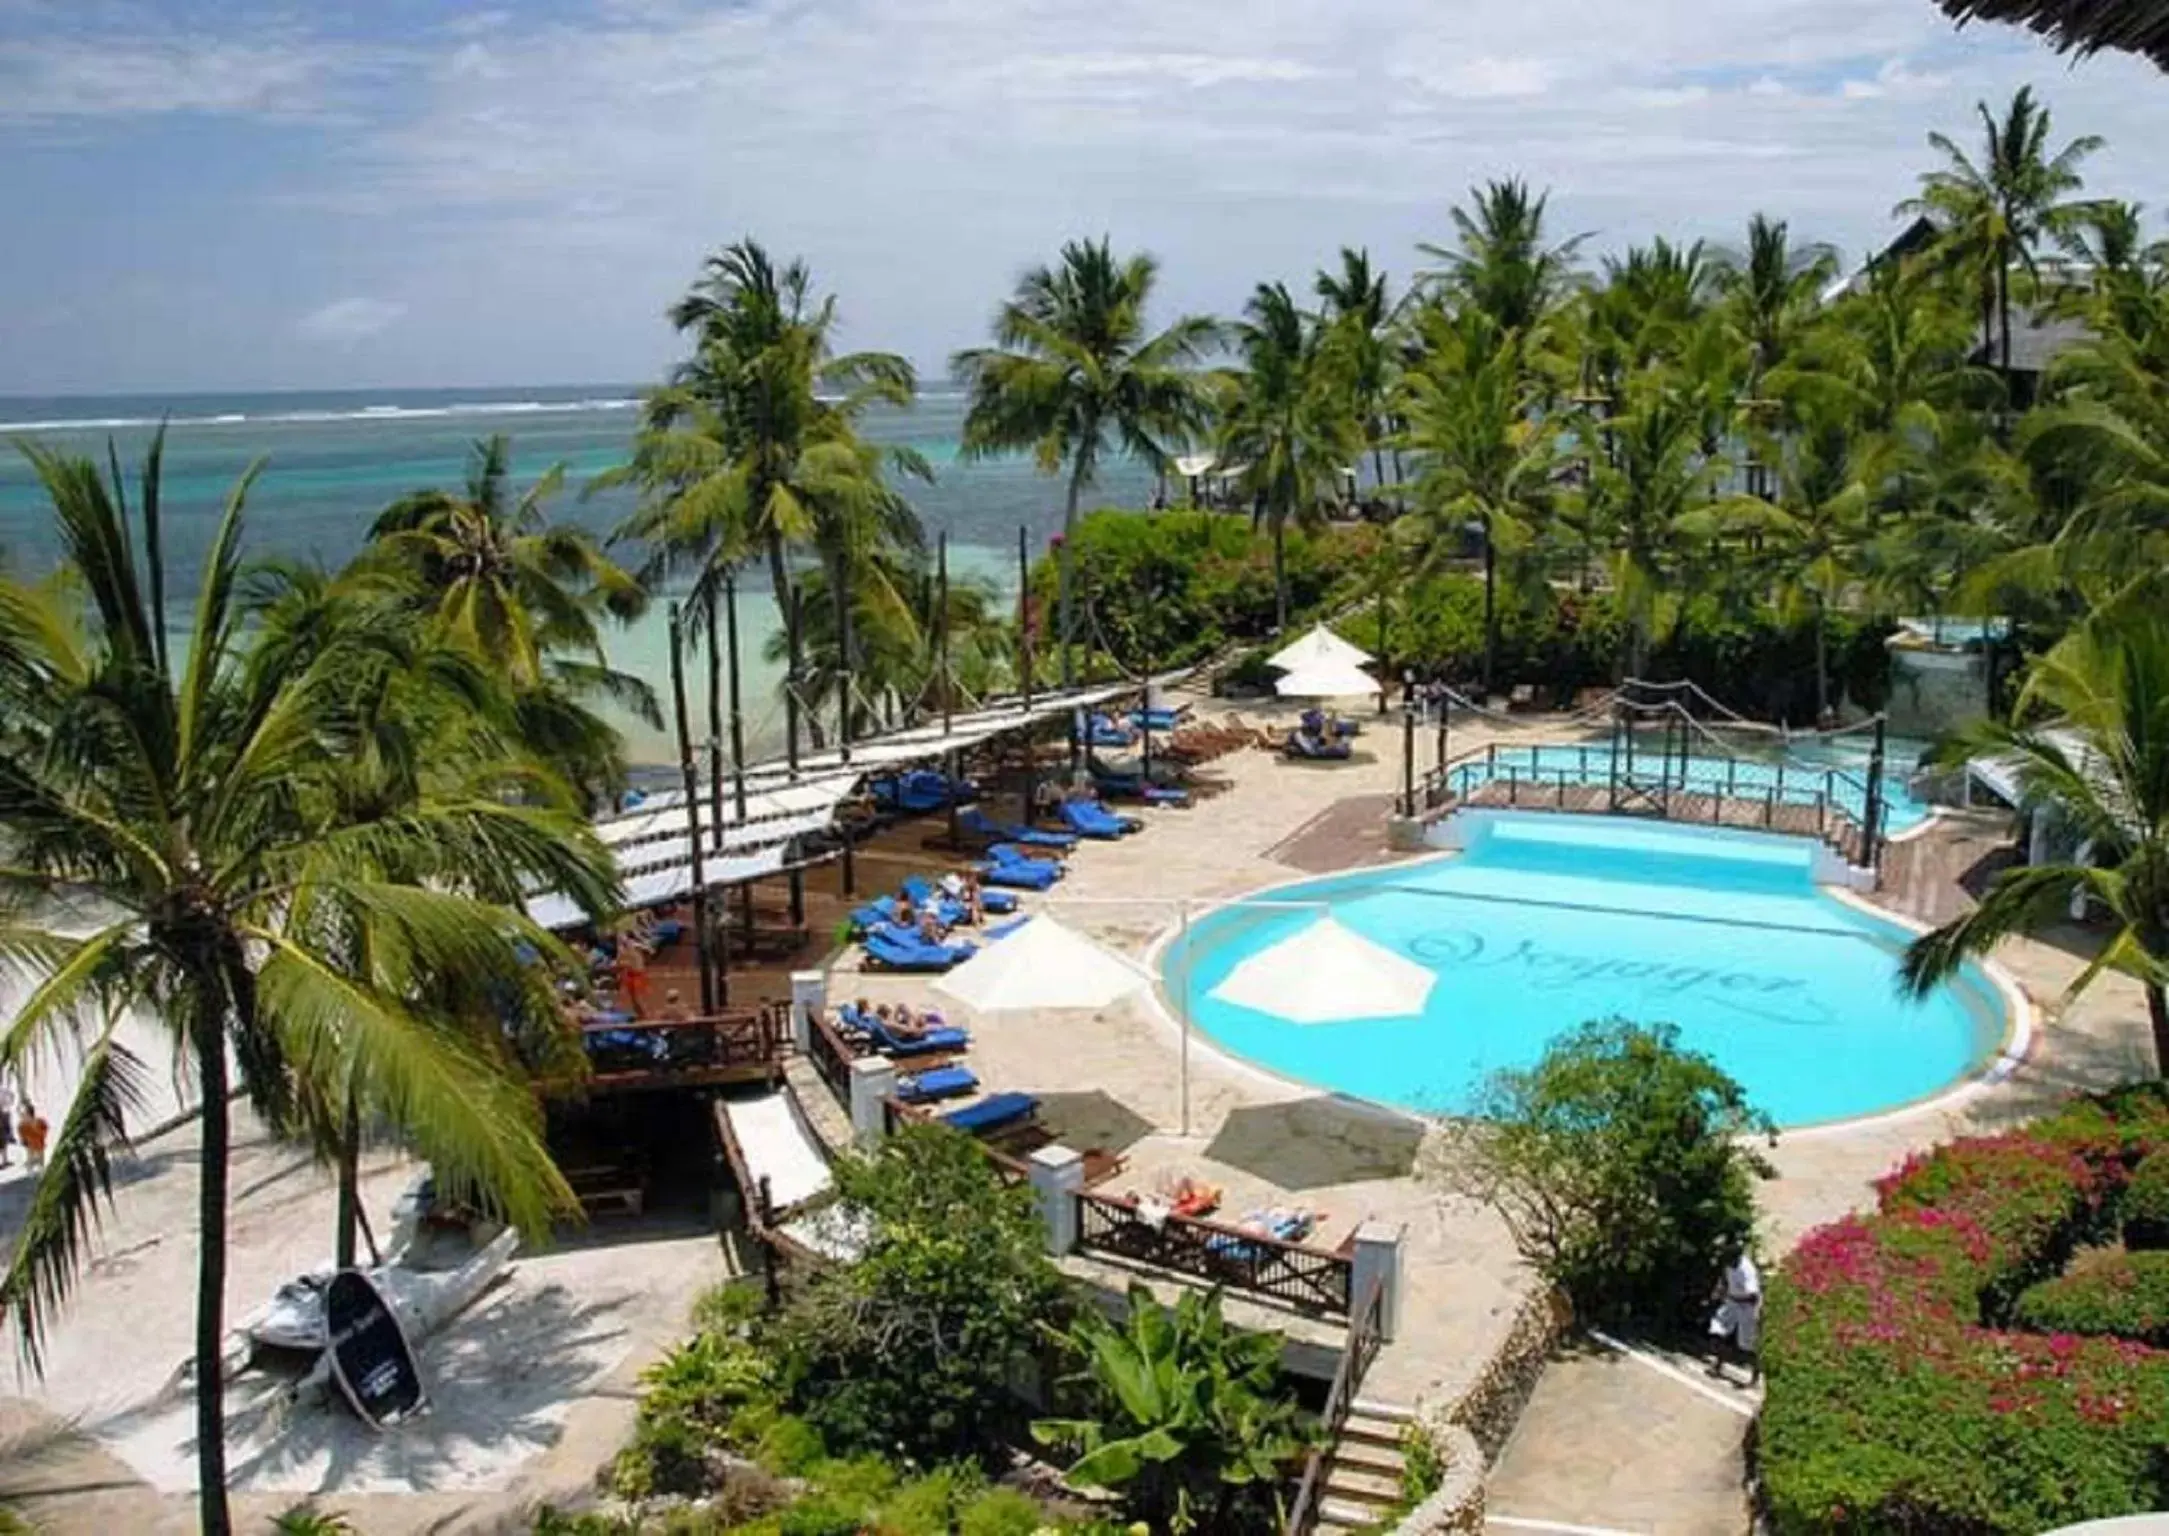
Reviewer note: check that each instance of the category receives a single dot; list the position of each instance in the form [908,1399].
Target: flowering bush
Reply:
[1903,1394]
[2122,1294]
[2146,1205]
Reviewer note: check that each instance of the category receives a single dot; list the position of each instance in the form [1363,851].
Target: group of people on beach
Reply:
[29,1127]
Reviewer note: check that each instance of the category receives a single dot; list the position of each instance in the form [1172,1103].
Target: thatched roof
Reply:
[2085,26]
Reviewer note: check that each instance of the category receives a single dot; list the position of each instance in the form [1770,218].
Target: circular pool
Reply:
[1544,921]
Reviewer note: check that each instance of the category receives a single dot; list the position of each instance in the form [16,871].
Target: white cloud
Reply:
[1895,78]
[62,78]
[343,322]
[1487,77]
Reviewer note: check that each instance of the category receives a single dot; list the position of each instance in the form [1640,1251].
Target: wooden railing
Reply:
[831,1057]
[1366,1337]
[658,1053]
[1009,1168]
[1310,1280]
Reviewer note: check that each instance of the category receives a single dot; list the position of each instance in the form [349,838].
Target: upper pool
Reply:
[1835,766]
[1545,921]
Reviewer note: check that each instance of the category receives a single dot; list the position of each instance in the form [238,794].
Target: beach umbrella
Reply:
[1328,974]
[1320,645]
[1043,965]
[1326,680]
[1316,1143]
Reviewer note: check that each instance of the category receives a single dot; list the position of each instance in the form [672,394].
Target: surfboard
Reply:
[370,1357]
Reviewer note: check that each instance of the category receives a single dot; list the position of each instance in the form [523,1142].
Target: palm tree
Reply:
[1286,421]
[1647,495]
[503,581]
[1359,316]
[1501,264]
[186,804]
[1482,455]
[2091,735]
[1993,214]
[1775,292]
[1072,375]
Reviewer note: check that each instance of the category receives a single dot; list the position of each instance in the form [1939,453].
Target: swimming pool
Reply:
[1545,921]
[1836,767]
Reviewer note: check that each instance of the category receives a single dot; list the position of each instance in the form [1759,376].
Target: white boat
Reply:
[425,1299]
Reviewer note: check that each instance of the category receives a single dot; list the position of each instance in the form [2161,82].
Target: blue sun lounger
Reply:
[1156,719]
[890,1043]
[894,952]
[941,1083]
[1009,865]
[1089,820]
[995,1112]
[952,911]
[980,824]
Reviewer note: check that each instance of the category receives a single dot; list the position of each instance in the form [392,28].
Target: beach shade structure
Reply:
[1043,965]
[1326,680]
[1327,974]
[1320,645]
[1093,1119]
[1318,1142]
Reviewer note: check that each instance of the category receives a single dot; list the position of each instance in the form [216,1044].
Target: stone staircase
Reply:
[1363,1470]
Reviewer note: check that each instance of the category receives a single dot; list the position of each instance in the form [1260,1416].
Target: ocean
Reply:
[334,459]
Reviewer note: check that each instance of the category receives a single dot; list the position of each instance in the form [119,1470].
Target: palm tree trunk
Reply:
[1378,468]
[1064,566]
[1491,608]
[840,596]
[715,709]
[349,1182]
[213,1517]
[1822,663]
[2157,1013]
[1280,575]
[2003,317]
[779,574]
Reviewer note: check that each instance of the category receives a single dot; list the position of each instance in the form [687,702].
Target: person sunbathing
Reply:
[907,915]
[904,1026]
[930,929]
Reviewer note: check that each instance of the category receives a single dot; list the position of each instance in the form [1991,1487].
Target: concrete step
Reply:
[1337,1515]
[1355,1485]
[1368,1456]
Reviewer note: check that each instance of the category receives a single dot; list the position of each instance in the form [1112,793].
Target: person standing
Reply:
[33,1130]
[1739,1313]
[7,1122]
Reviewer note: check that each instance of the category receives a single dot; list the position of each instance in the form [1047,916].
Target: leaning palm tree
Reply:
[2090,733]
[1287,421]
[1073,375]
[183,802]
[1482,457]
[1994,213]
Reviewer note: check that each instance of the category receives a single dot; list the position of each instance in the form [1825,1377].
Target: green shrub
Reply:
[789,1446]
[2146,1205]
[1890,1406]
[911,1350]
[1622,1167]
[1000,1512]
[2125,1295]
[823,1514]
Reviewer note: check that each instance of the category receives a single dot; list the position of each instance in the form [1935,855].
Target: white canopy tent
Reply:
[1326,680]
[1328,974]
[1321,646]
[1043,965]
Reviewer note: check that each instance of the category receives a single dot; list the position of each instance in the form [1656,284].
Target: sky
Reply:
[219,195]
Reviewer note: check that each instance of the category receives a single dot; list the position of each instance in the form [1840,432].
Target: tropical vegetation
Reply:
[1977,1353]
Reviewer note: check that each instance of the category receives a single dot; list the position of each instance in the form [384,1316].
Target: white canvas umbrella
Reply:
[1042,965]
[1326,680]
[1320,645]
[1328,974]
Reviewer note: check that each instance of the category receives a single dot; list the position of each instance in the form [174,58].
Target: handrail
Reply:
[1311,1280]
[831,1056]
[1366,1337]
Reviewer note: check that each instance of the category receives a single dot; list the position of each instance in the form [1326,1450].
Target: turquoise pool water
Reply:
[1833,767]
[1547,920]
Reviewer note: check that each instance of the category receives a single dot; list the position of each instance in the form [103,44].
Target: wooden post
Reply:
[692,811]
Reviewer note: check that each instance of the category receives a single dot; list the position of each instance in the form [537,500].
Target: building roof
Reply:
[2082,26]
[2037,340]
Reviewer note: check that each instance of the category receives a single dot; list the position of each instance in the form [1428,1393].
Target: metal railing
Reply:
[1366,1337]
[1309,1280]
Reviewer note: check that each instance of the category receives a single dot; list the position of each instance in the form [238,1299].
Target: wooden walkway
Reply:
[1693,807]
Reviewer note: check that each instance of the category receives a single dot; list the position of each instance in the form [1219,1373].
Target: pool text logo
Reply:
[1779,999]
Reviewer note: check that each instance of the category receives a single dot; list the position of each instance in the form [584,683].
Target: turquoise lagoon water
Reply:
[1798,771]
[1547,920]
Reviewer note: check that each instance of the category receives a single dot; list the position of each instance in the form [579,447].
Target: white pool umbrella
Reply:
[1326,680]
[1042,965]
[1328,974]
[1320,645]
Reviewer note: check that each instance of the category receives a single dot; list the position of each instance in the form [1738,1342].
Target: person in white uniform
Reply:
[1739,1313]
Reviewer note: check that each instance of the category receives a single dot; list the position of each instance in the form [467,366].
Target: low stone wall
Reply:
[1457,1508]
[1468,1424]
